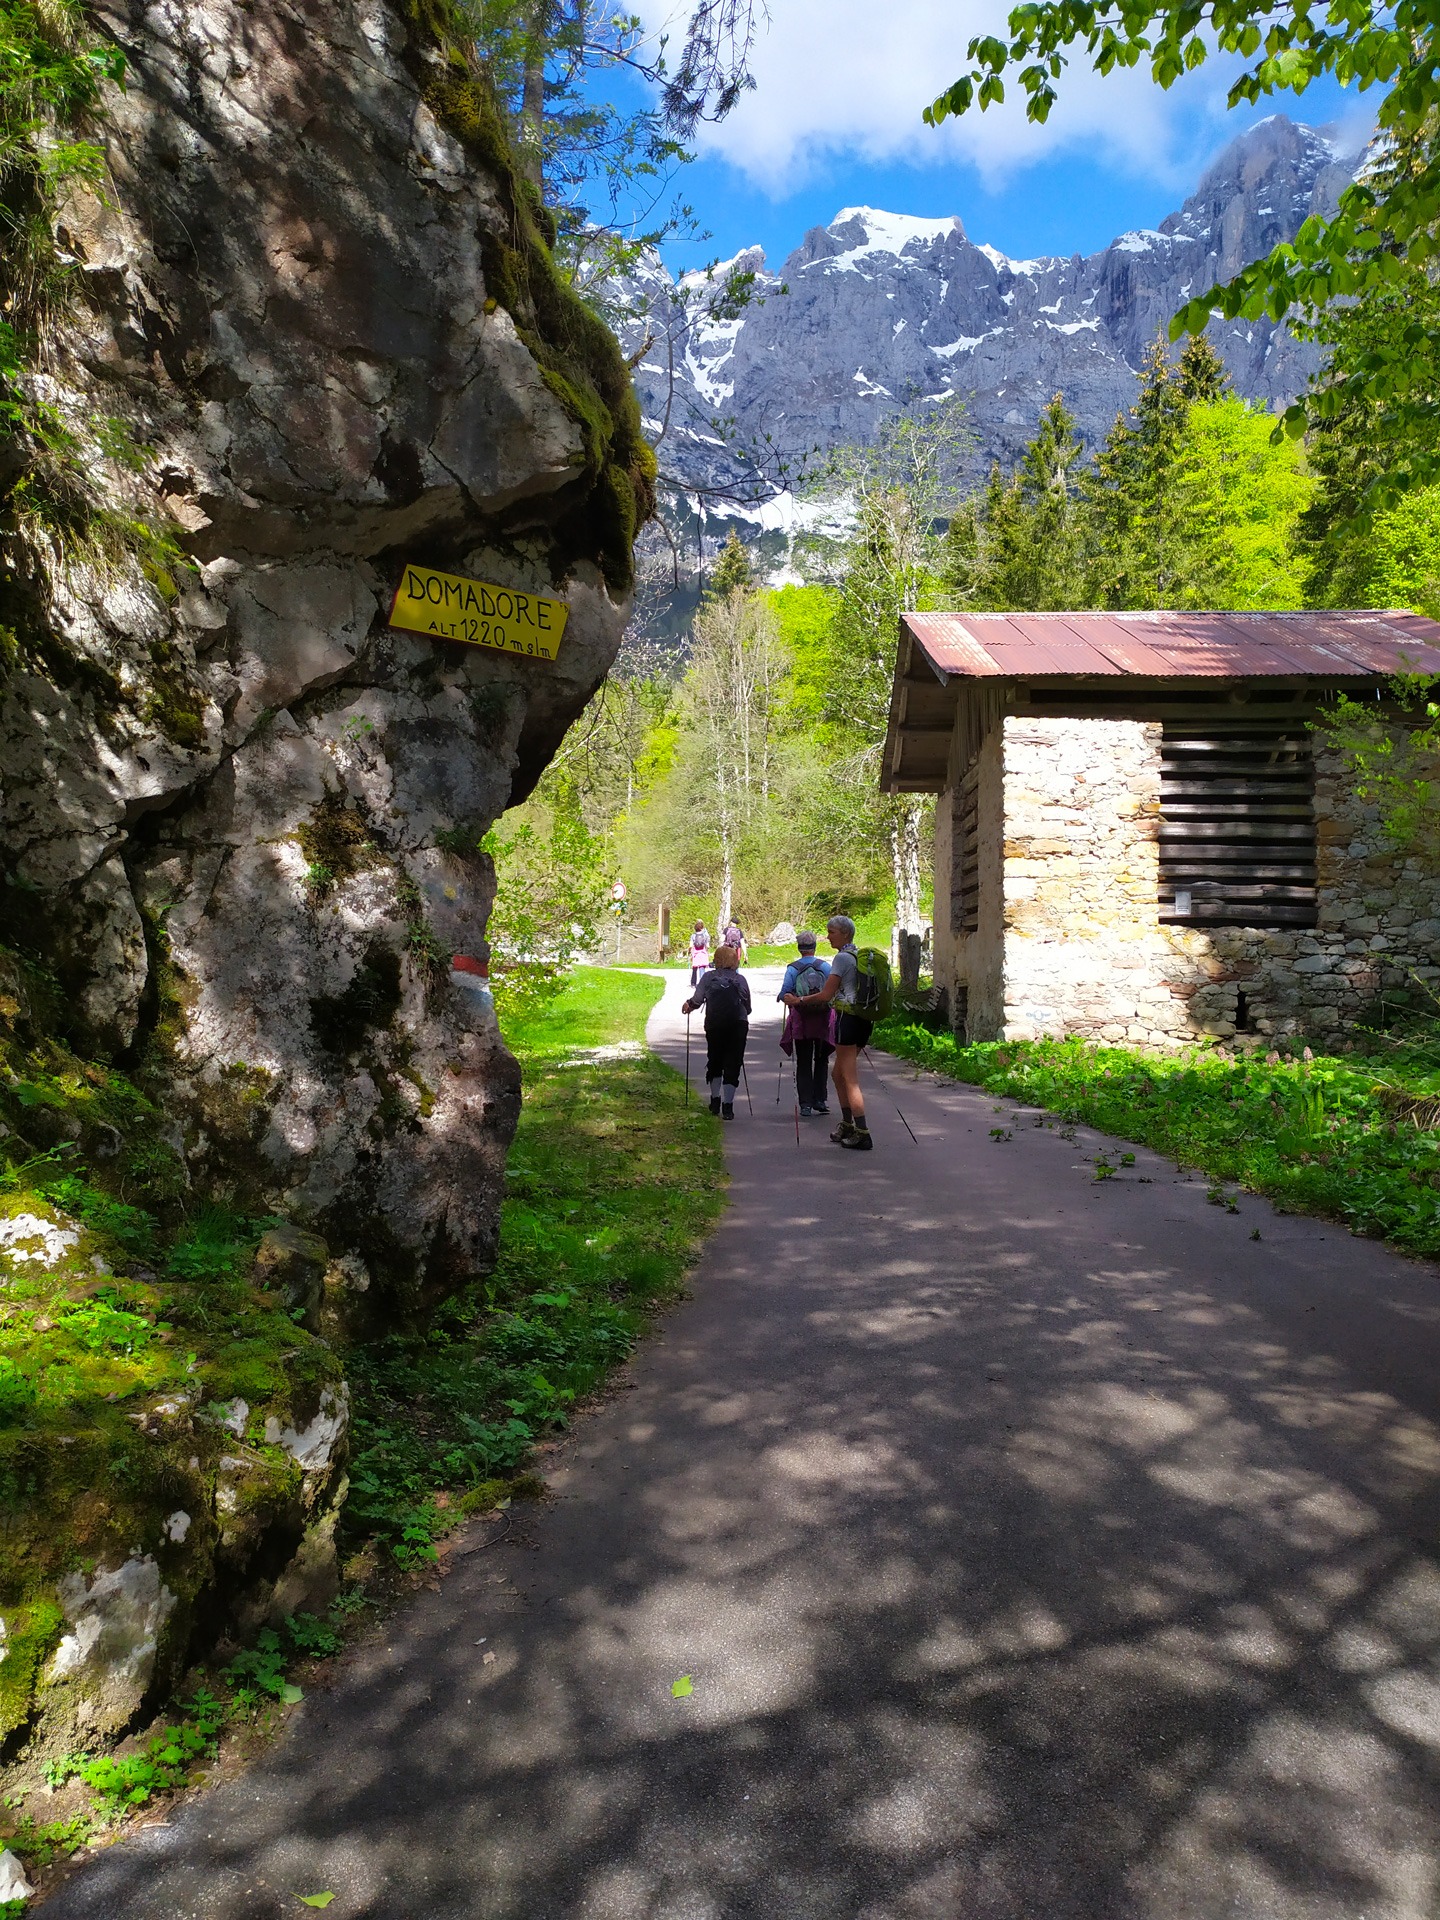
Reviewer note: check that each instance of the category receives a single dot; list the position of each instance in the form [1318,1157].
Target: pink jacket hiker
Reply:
[807,1023]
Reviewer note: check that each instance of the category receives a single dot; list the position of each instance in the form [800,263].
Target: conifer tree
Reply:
[961,567]
[1024,544]
[1140,546]
[1201,373]
[732,571]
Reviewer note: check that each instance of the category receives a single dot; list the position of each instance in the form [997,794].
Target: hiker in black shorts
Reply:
[852,1033]
[724,993]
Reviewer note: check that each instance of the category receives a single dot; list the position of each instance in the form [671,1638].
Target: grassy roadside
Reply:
[611,1187]
[1328,1136]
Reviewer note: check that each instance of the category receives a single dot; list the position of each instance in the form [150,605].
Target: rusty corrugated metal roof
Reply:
[1182,646]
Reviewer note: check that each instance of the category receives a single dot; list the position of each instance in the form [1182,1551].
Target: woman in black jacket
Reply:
[724,993]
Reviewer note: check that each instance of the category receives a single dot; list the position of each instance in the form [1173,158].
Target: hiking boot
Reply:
[843,1132]
[715,1105]
[727,1112]
[859,1139]
[822,1111]
[805,1112]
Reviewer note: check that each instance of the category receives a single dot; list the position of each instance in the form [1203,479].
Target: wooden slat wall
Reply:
[965,855]
[1237,823]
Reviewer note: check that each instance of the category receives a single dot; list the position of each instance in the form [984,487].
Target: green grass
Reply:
[762,956]
[612,1184]
[1335,1137]
[599,1007]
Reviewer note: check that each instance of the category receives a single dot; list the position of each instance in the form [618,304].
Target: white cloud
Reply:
[847,79]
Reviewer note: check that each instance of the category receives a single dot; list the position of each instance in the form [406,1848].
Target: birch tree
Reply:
[902,490]
[731,692]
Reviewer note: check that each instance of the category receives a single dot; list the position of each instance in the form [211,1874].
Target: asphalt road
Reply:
[1038,1548]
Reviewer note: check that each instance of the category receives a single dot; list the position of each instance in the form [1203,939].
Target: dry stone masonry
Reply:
[1070,941]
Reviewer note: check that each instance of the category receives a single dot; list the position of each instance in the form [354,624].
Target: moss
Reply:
[168,996]
[460,843]
[479,1499]
[37,645]
[424,1089]
[31,1633]
[170,708]
[393,1112]
[113,1348]
[428,952]
[490,709]
[173,705]
[338,841]
[578,355]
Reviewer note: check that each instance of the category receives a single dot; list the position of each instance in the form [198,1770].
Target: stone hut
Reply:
[1138,836]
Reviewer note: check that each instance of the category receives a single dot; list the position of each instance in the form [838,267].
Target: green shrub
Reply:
[17,1392]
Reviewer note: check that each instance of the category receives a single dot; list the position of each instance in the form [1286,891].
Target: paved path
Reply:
[1039,1548]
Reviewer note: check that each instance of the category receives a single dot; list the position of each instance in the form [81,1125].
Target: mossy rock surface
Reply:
[168,1431]
[579,357]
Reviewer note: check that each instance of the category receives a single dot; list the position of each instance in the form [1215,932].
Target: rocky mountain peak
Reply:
[877,310]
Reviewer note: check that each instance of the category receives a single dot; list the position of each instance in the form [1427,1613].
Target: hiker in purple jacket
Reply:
[809,1030]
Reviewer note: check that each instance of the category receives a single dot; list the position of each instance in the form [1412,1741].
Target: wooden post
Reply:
[663,931]
[910,945]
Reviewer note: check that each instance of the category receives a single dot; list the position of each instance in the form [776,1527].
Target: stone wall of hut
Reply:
[1068,940]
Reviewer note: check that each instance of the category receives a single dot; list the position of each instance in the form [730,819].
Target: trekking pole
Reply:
[687,1059]
[746,1078]
[779,1076]
[893,1101]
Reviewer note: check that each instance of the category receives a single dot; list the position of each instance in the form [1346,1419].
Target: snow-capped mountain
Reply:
[878,309]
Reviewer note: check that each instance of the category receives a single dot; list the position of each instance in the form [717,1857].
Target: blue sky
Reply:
[1072,202]
[835,121]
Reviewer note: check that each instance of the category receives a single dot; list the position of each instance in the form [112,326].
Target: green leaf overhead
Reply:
[1386,227]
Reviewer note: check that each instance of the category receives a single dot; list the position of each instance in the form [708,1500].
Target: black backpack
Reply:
[722,997]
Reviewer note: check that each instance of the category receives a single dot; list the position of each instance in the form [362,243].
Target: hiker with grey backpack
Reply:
[860,990]
[807,1033]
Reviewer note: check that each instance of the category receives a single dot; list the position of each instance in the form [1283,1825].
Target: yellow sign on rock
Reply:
[452,608]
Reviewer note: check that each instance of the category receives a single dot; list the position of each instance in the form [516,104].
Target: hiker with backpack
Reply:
[699,952]
[807,1029]
[859,988]
[735,938]
[724,993]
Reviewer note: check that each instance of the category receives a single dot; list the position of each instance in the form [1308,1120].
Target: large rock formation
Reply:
[310,332]
[320,303]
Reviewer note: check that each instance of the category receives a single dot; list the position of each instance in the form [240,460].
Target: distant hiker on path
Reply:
[807,1029]
[736,939]
[724,992]
[842,987]
[699,952]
